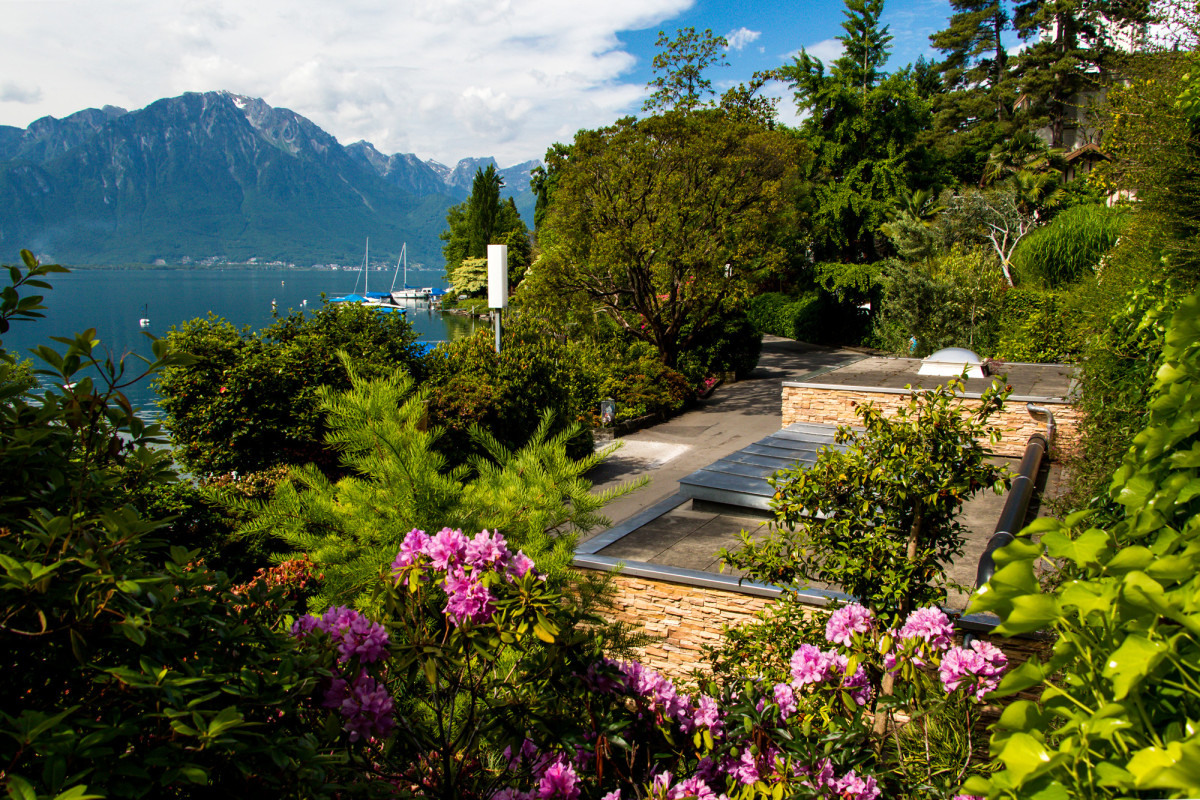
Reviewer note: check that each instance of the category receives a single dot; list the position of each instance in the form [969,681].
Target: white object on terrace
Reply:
[951,361]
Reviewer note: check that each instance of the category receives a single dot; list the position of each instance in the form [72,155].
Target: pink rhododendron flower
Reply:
[691,787]
[708,714]
[520,564]
[743,770]
[367,708]
[468,599]
[447,548]
[979,667]
[785,699]
[852,787]
[411,550]
[559,780]
[362,638]
[930,625]
[809,666]
[487,551]
[847,621]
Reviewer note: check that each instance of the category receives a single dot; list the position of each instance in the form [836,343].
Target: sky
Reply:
[444,79]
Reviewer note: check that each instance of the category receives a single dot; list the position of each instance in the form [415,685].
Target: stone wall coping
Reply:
[839,387]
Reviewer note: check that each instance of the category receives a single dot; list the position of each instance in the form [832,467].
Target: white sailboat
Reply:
[406,293]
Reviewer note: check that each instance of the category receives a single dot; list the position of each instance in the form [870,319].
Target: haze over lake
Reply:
[112,302]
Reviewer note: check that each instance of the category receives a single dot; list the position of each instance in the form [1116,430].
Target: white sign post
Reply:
[497,284]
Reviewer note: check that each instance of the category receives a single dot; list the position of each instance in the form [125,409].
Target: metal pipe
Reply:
[1016,505]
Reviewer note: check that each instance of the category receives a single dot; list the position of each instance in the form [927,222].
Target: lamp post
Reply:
[497,284]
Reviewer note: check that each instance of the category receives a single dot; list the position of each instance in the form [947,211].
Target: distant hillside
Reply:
[220,176]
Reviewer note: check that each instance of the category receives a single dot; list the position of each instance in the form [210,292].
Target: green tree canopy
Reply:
[659,222]
[679,81]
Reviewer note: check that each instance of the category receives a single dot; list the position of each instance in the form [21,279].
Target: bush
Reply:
[950,301]
[729,343]
[248,402]
[135,671]
[1070,247]
[1120,691]
[1040,326]
[813,317]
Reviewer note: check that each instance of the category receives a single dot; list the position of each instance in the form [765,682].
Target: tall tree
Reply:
[976,110]
[659,222]
[1077,46]
[863,126]
[679,81]
[482,220]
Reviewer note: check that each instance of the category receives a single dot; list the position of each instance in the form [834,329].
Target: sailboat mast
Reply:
[367,268]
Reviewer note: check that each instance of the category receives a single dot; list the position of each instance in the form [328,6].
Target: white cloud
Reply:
[445,79]
[827,50]
[741,37]
[16,93]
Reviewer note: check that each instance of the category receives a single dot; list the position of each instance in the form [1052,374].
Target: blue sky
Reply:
[444,79]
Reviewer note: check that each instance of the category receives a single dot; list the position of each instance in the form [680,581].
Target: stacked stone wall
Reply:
[684,618]
[836,407]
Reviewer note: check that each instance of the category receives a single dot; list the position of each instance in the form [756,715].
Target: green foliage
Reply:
[1116,377]
[877,516]
[813,317]
[248,402]
[951,300]
[397,480]
[679,67]
[1071,246]
[482,220]
[762,648]
[729,343]
[1120,692]
[863,127]
[660,222]
[134,672]
[1040,326]
[470,277]
[636,379]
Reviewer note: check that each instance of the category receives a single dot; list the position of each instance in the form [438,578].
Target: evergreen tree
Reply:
[482,220]
[536,497]
[976,111]
[863,126]
[1077,47]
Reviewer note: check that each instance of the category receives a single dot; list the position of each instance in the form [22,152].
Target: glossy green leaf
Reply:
[1024,756]
[1132,662]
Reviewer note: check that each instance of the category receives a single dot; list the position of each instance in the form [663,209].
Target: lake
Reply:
[113,300]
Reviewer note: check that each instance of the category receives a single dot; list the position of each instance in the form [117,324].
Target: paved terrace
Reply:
[657,525]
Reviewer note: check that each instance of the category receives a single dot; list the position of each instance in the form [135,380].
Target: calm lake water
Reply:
[112,301]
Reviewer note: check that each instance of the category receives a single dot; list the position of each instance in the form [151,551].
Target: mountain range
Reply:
[213,177]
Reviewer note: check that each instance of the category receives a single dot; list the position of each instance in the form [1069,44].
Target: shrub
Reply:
[1040,326]
[135,671]
[813,317]
[1071,246]
[507,392]
[397,480]
[949,301]
[730,343]
[1122,687]
[878,520]
[248,401]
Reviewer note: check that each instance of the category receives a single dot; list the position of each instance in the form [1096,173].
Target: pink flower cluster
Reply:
[848,787]
[811,666]
[363,702]
[464,562]
[930,625]
[556,776]
[979,667]
[356,636]
[847,621]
